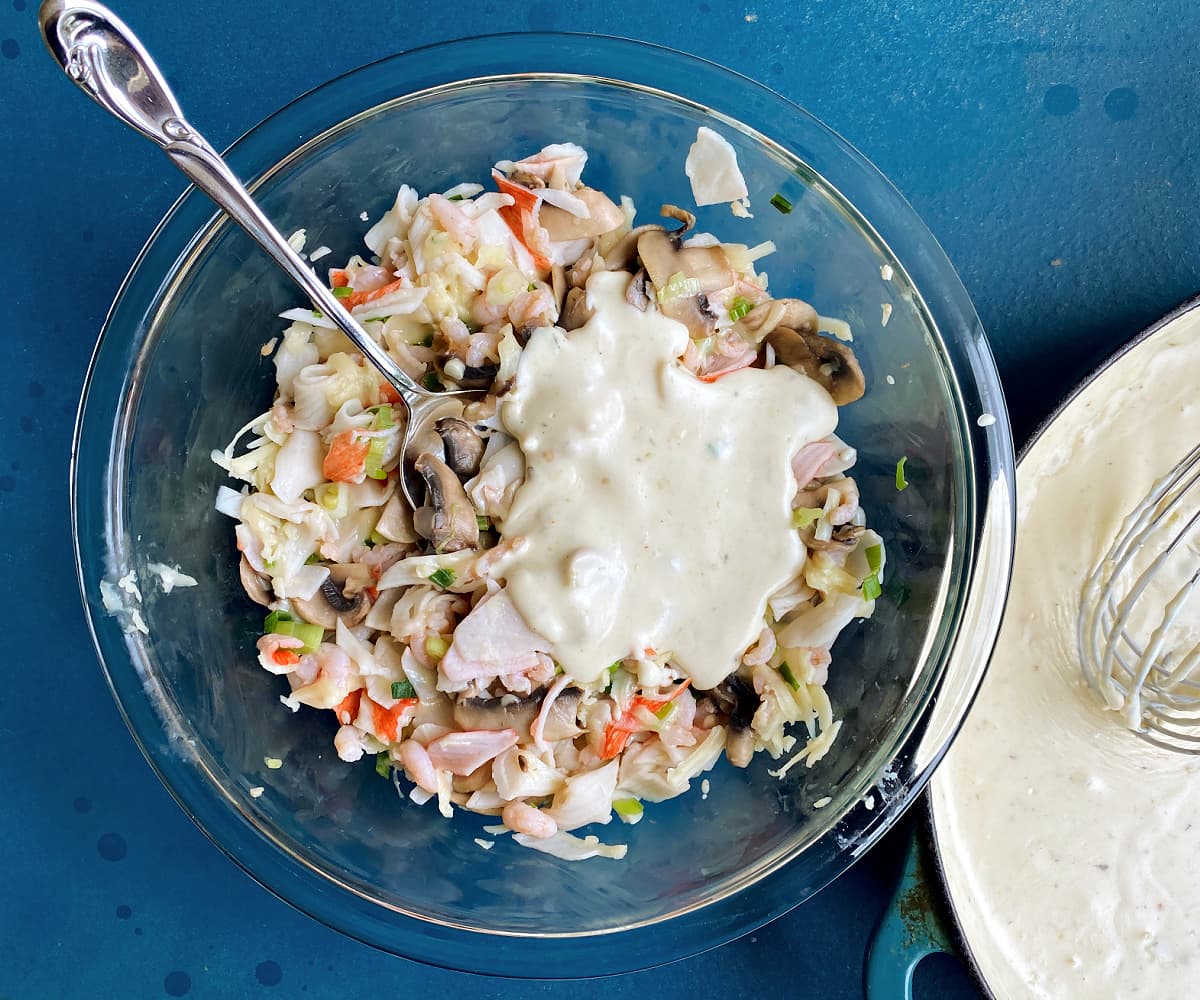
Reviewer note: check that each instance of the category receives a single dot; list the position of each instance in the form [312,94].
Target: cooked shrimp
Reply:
[762,650]
[349,744]
[536,308]
[277,653]
[452,219]
[281,417]
[417,765]
[522,818]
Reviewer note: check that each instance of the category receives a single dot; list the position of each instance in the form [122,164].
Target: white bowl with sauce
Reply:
[335,841]
[1069,847]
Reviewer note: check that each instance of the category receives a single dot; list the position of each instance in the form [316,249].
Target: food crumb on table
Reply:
[822,802]
[274,763]
[256,791]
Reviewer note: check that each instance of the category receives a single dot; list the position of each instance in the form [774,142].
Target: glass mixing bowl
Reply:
[178,370]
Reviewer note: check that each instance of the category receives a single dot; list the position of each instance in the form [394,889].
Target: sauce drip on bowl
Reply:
[656,507]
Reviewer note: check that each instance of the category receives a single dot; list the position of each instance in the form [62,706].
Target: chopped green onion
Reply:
[781,203]
[558,670]
[426,341]
[788,676]
[901,482]
[612,673]
[317,314]
[442,577]
[274,618]
[403,689]
[432,382]
[804,517]
[385,417]
[383,764]
[329,495]
[666,711]
[313,558]
[343,293]
[455,197]
[678,286]
[741,305]
[482,522]
[436,646]
[874,555]
[628,808]
[369,542]
[281,623]
[373,463]
[871,588]
[531,287]
[375,538]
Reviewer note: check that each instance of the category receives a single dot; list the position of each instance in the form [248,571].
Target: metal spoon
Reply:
[108,63]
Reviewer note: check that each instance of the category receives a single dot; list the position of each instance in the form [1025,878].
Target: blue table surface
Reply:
[1051,147]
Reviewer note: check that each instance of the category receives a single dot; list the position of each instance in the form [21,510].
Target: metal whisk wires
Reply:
[1135,617]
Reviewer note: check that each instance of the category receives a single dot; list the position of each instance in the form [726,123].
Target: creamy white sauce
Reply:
[657,508]
[1072,847]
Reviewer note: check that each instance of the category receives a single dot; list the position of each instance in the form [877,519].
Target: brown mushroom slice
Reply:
[739,747]
[561,226]
[510,712]
[452,526]
[257,586]
[680,215]
[795,314]
[844,539]
[736,698]
[622,255]
[558,284]
[576,310]
[342,595]
[663,258]
[463,447]
[826,361]
[638,293]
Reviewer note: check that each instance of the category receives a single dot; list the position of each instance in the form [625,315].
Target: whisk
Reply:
[1134,616]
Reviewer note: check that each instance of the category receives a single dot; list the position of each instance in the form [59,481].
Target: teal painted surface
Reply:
[1050,147]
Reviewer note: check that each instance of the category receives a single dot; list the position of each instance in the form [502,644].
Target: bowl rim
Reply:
[718,920]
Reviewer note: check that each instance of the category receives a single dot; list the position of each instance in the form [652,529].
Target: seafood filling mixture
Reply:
[638,541]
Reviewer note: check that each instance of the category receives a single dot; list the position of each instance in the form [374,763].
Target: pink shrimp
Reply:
[452,219]
[484,346]
[762,650]
[370,278]
[483,313]
[348,744]
[731,352]
[418,766]
[520,817]
[534,308]
[277,653]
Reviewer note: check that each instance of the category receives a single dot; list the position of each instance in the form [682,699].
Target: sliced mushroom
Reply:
[257,586]
[561,226]
[558,284]
[663,257]
[463,447]
[826,361]
[637,294]
[526,179]
[622,255]
[795,314]
[452,525]
[739,747]
[342,595]
[519,713]
[576,311]
[736,698]
[681,215]
[844,539]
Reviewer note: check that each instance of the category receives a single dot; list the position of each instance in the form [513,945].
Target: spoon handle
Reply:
[108,63]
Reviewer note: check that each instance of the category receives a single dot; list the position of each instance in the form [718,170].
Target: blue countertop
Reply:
[1052,150]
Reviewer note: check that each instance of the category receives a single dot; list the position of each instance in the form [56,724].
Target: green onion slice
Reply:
[343,293]
[435,647]
[274,618]
[805,517]
[628,808]
[901,482]
[788,676]
[781,203]
[431,382]
[373,463]
[871,588]
[874,557]
[442,577]
[383,764]
[403,689]
[483,523]
[740,306]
